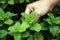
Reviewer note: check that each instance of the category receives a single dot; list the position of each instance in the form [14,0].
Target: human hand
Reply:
[41,7]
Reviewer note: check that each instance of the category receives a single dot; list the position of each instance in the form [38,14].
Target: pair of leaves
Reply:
[7,15]
[15,28]
[52,19]
[19,27]
[9,22]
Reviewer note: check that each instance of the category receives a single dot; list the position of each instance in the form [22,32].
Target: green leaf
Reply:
[21,1]
[24,26]
[36,27]
[51,17]
[6,16]
[57,20]
[29,18]
[3,1]
[9,22]
[9,14]
[48,20]
[54,30]
[30,37]
[25,17]
[15,28]
[1,18]
[12,14]
[11,2]
[1,24]
[1,13]
[33,16]
[38,36]
[19,27]
[28,1]
[17,36]
[11,33]
[3,33]
[44,26]
[25,34]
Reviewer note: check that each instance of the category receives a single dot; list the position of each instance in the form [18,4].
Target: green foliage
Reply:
[29,18]
[38,36]
[21,1]
[27,0]
[11,2]
[30,37]
[15,28]
[9,22]
[57,20]
[17,36]
[44,26]
[3,33]
[54,30]
[22,26]
[25,34]
[36,27]
[2,1]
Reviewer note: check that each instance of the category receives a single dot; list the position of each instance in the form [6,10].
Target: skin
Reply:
[41,7]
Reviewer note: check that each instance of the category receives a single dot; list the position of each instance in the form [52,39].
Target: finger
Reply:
[27,10]
[31,8]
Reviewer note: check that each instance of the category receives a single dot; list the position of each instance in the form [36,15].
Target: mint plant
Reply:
[27,21]
[15,24]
